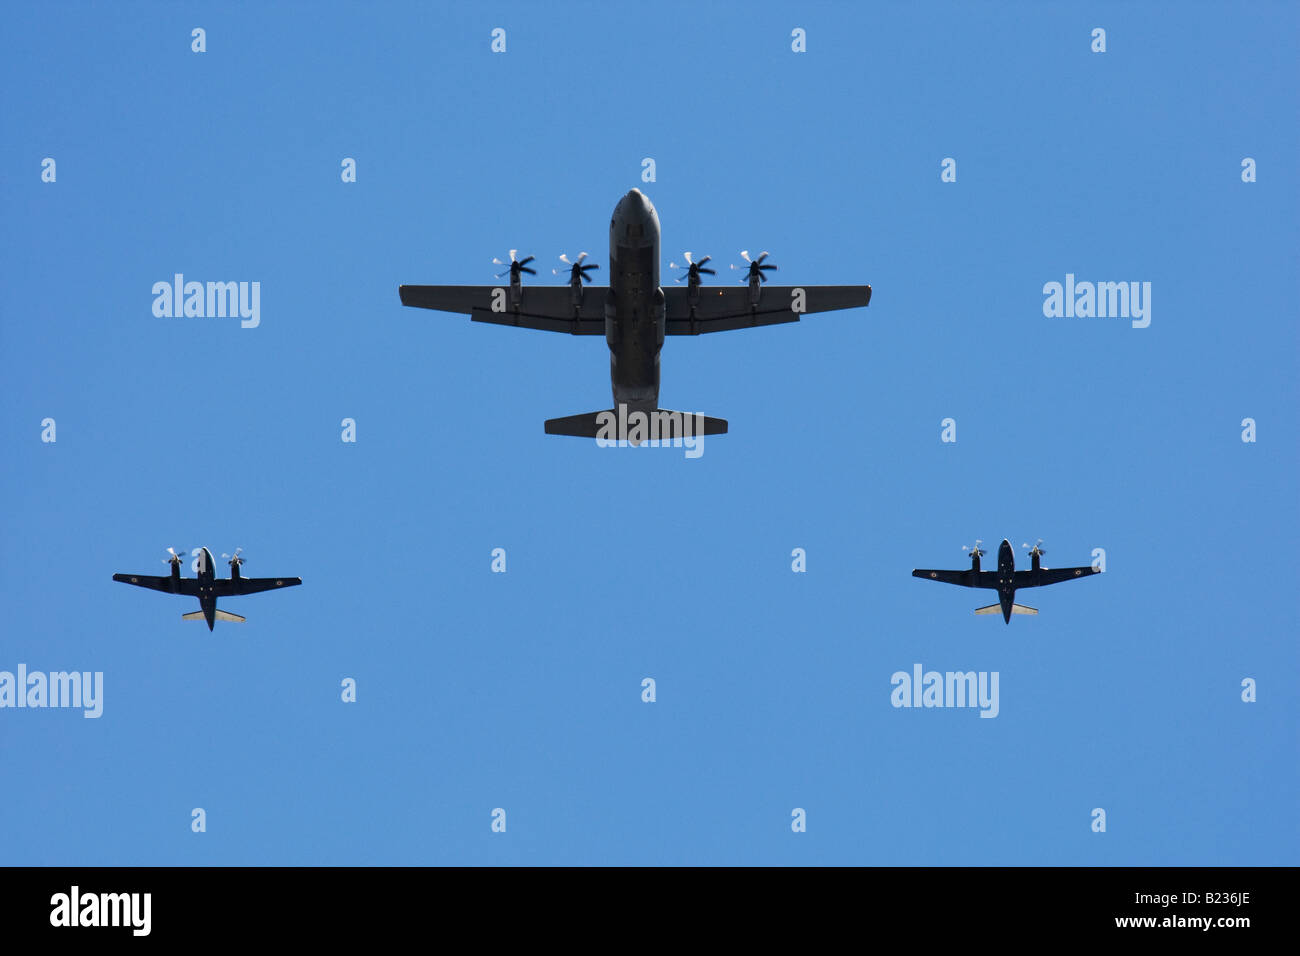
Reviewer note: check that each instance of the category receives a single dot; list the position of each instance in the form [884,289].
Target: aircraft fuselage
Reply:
[635,317]
[207,578]
[1006,578]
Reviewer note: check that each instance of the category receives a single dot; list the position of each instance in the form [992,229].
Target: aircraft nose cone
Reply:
[636,203]
[635,221]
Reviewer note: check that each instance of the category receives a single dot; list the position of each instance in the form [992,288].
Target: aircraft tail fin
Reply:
[991,609]
[659,424]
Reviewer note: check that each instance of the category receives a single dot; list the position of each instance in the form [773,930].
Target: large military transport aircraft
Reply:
[1006,580]
[207,587]
[633,312]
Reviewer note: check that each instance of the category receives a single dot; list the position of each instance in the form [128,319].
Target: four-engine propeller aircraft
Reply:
[1006,580]
[633,312]
[207,587]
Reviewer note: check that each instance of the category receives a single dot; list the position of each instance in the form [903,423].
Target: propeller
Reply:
[693,269]
[756,266]
[234,559]
[516,265]
[577,269]
[1036,549]
[175,558]
[975,551]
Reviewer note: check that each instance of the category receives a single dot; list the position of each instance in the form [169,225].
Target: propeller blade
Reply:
[707,272]
[704,260]
[761,257]
[531,272]
[744,254]
[524,262]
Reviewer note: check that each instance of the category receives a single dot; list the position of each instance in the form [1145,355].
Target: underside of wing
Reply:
[229,588]
[160,582]
[1045,576]
[966,579]
[545,308]
[450,298]
[709,309]
[573,324]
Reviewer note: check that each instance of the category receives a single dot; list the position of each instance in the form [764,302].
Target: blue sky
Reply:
[523,690]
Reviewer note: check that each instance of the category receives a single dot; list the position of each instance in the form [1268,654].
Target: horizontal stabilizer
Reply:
[220,616]
[659,424]
[1015,609]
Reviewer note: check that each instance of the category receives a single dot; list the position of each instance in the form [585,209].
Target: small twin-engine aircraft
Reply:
[207,587]
[1006,580]
[633,312]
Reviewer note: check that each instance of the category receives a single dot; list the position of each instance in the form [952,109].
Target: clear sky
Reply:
[523,690]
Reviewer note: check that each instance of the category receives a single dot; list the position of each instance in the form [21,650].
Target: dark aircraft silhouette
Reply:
[207,587]
[633,312]
[1006,580]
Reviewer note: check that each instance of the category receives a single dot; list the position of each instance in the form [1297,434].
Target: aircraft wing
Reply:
[726,308]
[228,588]
[1044,576]
[160,582]
[547,308]
[967,578]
